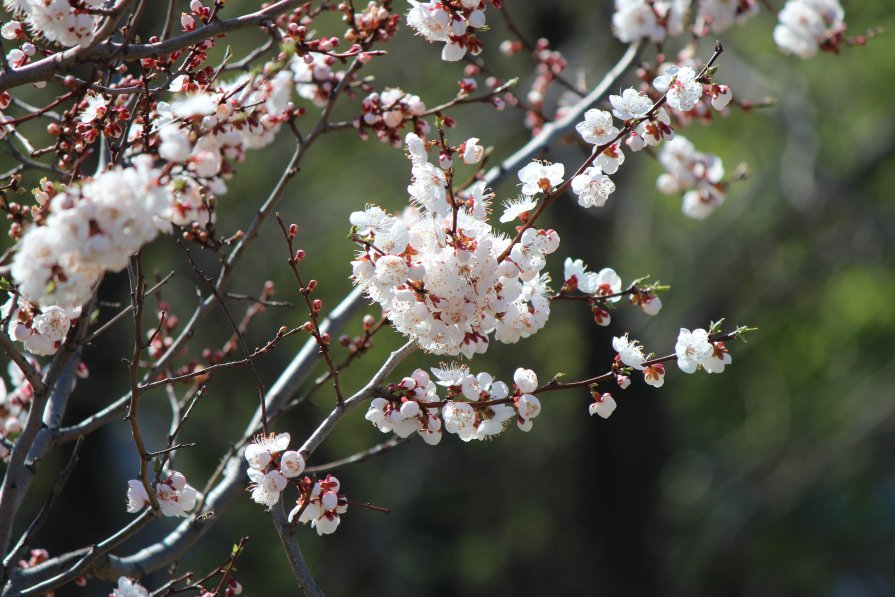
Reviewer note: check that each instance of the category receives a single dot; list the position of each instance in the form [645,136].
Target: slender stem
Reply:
[137,296]
[305,291]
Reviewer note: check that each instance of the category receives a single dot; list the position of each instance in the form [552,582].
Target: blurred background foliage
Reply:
[771,479]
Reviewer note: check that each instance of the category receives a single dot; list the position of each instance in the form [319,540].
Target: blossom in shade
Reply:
[129,588]
[720,358]
[654,375]
[174,496]
[603,405]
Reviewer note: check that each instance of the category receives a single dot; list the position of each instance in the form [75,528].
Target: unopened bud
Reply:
[444,160]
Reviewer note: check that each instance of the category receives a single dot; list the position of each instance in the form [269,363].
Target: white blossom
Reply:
[719,15]
[515,208]
[603,405]
[321,505]
[607,282]
[597,127]
[648,19]
[699,174]
[592,187]
[90,229]
[526,380]
[629,351]
[448,288]
[174,496]
[719,360]
[654,375]
[472,151]
[692,349]
[137,498]
[58,20]
[129,588]
[630,104]
[537,177]
[681,86]
[806,25]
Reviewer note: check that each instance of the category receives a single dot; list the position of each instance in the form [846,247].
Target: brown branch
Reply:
[245,349]
[137,297]
[42,70]
[305,290]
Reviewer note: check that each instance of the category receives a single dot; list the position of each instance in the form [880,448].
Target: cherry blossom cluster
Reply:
[693,350]
[62,21]
[91,229]
[454,22]
[605,288]
[373,23]
[315,78]
[696,350]
[271,466]
[715,16]
[386,114]
[698,175]
[40,329]
[204,131]
[320,503]
[806,26]
[654,20]
[404,416]
[477,406]
[436,269]
[652,125]
[175,497]
[95,228]
[690,97]
[14,405]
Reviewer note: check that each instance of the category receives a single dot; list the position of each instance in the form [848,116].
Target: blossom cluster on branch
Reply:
[142,139]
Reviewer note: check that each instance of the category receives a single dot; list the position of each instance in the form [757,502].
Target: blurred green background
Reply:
[773,478]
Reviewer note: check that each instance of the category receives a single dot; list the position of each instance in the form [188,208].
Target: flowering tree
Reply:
[141,139]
